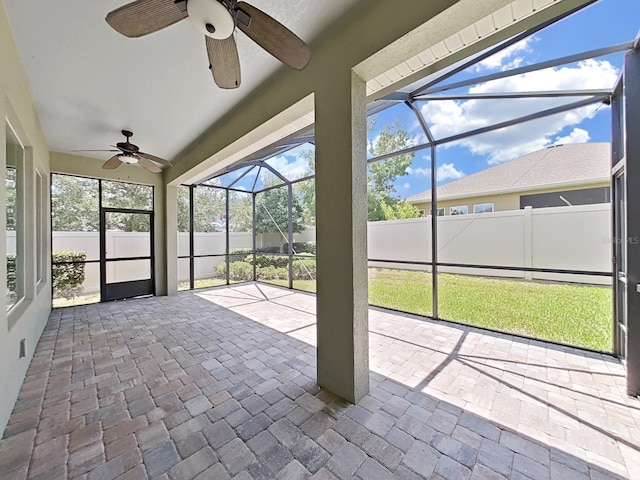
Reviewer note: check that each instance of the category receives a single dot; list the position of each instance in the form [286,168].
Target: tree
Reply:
[306,190]
[272,211]
[74,204]
[182,207]
[127,195]
[210,209]
[383,204]
[240,212]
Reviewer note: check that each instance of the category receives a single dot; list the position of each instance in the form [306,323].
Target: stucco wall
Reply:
[27,319]
[503,201]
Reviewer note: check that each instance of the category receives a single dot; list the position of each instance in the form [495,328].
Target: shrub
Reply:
[221,270]
[268,261]
[239,271]
[301,248]
[11,273]
[304,269]
[272,273]
[268,250]
[238,254]
[67,278]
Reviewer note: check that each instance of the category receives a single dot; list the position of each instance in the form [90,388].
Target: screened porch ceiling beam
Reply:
[246,172]
[599,52]
[505,95]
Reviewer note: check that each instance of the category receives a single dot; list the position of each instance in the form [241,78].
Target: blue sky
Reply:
[605,23]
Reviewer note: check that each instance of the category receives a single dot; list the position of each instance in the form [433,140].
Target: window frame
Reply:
[483,211]
[461,207]
[18,164]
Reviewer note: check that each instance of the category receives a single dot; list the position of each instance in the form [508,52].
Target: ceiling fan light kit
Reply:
[212,18]
[128,159]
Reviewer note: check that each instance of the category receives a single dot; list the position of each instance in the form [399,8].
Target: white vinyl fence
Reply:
[562,238]
[566,238]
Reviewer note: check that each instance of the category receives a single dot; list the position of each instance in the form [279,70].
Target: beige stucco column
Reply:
[341,220]
[171,242]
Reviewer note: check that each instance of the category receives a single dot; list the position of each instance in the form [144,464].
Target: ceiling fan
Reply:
[131,154]
[217,19]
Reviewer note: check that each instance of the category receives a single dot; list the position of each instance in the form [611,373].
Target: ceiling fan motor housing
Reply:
[211,17]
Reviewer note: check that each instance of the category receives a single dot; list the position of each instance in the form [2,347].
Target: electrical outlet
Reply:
[23,348]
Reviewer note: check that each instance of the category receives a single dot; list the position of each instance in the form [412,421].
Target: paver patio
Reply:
[220,384]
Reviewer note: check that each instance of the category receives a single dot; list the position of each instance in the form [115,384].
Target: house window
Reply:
[439,211]
[14,188]
[482,207]
[459,210]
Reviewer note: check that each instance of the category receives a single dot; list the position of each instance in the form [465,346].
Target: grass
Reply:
[565,313]
[202,283]
[84,299]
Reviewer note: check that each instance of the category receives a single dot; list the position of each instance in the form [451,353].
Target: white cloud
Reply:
[419,171]
[406,186]
[502,60]
[289,166]
[577,135]
[449,117]
[448,171]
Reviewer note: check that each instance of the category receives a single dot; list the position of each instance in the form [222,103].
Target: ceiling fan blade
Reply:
[95,150]
[224,61]
[274,37]
[144,16]
[113,162]
[148,164]
[159,160]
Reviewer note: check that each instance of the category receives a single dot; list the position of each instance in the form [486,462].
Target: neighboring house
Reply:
[574,174]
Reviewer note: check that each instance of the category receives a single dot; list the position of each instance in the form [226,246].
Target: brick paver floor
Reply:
[220,384]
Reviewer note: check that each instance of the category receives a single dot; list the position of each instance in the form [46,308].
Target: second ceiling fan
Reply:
[217,19]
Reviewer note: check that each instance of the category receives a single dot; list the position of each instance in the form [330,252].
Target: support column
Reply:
[171,241]
[632,176]
[341,236]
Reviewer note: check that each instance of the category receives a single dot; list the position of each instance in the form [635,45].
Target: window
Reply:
[14,188]
[439,211]
[459,210]
[482,207]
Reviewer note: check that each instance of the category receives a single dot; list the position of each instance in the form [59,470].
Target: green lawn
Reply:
[573,314]
[202,283]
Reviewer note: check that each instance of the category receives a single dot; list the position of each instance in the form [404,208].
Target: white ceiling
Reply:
[89,82]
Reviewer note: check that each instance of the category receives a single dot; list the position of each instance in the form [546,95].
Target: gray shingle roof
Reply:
[562,164]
